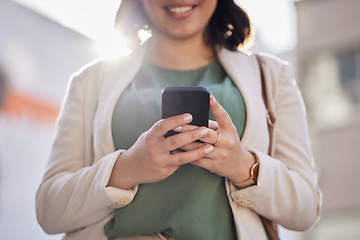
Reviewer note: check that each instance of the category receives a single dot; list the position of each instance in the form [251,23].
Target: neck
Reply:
[181,54]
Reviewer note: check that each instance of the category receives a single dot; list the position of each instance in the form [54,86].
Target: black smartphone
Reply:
[180,100]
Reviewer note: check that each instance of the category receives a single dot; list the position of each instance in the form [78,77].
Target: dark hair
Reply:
[228,27]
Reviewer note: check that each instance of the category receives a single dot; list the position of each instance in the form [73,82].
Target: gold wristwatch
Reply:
[252,180]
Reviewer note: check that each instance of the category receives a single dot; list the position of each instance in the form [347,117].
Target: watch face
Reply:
[255,172]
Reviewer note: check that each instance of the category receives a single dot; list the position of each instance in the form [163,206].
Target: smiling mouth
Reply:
[180,10]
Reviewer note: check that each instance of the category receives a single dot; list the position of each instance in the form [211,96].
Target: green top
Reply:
[192,203]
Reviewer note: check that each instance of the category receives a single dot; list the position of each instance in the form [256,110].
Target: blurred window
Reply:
[332,87]
[349,77]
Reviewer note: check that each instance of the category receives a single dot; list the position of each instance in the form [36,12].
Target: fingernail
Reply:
[212,99]
[178,129]
[204,131]
[187,117]
[209,149]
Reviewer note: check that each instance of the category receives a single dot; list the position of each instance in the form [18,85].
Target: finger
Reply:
[213,125]
[211,137]
[222,117]
[192,146]
[161,127]
[186,128]
[184,138]
[190,156]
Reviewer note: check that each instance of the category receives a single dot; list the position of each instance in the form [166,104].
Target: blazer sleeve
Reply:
[287,191]
[73,193]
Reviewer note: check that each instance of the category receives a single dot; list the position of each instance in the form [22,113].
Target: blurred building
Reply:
[37,56]
[329,68]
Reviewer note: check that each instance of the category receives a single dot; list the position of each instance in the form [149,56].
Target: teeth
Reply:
[180,10]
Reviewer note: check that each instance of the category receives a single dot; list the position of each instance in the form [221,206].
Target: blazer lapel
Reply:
[244,70]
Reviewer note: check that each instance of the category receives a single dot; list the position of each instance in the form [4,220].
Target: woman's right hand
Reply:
[150,158]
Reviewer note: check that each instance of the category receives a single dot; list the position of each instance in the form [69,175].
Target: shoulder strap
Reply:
[270,227]
[270,115]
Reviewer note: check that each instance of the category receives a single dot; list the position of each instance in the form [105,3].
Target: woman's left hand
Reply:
[229,158]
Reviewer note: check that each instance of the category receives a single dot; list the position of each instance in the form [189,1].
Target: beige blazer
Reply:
[73,197]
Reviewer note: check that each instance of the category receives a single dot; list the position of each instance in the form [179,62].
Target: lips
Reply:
[180,11]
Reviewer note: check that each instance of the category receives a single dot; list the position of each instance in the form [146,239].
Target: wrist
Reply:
[252,172]
[120,176]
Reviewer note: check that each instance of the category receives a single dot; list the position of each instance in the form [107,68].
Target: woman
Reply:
[112,173]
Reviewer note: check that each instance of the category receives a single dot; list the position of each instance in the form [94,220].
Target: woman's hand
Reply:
[150,158]
[229,158]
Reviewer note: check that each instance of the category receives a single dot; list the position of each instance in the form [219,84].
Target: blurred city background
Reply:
[43,41]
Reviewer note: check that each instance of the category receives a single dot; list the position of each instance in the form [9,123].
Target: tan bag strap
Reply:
[270,115]
[270,227]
